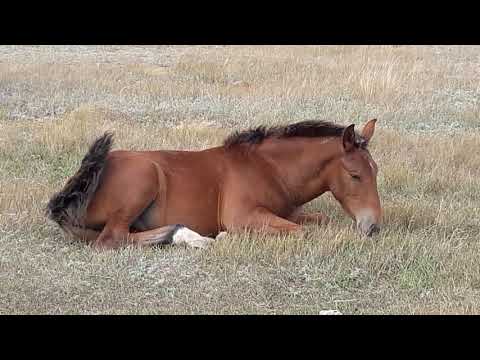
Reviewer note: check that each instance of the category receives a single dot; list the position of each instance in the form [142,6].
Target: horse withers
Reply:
[258,179]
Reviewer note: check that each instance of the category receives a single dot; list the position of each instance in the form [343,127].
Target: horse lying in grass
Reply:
[258,179]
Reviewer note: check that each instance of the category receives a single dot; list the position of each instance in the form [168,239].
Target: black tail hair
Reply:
[67,207]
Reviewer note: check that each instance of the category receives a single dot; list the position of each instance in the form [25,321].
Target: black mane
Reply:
[310,128]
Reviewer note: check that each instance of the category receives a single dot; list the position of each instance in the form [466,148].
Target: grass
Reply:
[56,100]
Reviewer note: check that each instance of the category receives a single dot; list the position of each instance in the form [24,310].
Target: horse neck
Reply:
[301,164]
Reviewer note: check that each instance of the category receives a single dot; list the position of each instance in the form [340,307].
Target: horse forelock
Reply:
[360,142]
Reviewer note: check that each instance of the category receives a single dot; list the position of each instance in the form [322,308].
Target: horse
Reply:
[258,179]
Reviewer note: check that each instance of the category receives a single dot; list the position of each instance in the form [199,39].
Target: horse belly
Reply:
[193,202]
[198,215]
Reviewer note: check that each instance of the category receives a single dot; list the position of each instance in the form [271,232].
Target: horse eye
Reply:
[356,177]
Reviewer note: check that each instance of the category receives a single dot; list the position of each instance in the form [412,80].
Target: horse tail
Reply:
[68,207]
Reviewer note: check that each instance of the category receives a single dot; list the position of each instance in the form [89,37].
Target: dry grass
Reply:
[54,101]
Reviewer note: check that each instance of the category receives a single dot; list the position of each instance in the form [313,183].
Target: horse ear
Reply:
[369,129]
[349,138]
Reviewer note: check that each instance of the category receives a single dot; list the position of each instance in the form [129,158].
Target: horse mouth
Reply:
[372,229]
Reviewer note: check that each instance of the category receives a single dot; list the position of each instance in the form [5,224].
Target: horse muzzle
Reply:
[367,226]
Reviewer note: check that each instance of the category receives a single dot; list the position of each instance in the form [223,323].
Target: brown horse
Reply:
[258,179]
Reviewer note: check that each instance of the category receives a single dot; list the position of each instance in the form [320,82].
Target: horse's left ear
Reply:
[369,129]
[349,138]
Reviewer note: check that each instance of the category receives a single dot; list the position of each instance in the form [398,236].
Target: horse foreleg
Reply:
[264,220]
[315,218]
[300,217]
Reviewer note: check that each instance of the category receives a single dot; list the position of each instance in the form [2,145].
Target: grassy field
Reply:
[55,100]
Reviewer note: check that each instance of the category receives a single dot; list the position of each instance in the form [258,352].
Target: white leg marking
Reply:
[221,236]
[185,236]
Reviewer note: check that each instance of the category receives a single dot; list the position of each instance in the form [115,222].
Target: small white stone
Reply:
[330,312]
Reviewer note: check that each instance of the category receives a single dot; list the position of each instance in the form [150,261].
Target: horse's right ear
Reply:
[369,129]
[349,138]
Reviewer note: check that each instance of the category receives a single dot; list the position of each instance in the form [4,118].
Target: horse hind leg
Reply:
[171,234]
[165,235]
[84,234]
[119,203]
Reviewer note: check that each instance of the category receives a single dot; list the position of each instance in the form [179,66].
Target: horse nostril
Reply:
[373,229]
